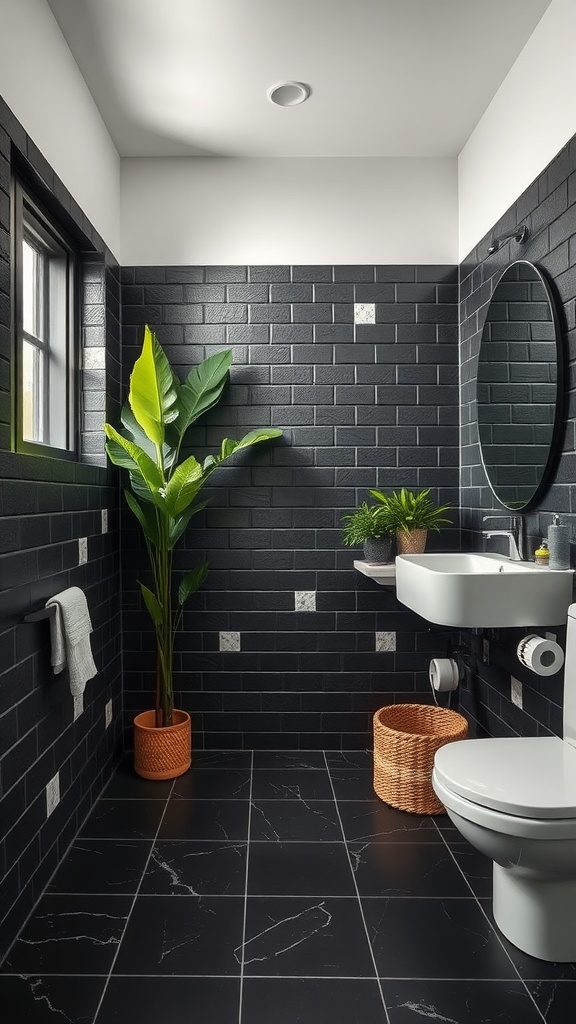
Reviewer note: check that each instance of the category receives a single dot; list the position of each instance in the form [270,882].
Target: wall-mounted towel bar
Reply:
[43,613]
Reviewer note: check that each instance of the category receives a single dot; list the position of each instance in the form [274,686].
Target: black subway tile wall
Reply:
[46,506]
[287,645]
[548,208]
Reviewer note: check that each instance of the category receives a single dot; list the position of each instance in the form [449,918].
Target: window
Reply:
[45,332]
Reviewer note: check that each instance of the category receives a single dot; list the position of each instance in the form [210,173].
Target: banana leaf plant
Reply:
[164,492]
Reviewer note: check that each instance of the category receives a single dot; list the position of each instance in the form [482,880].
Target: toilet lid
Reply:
[532,777]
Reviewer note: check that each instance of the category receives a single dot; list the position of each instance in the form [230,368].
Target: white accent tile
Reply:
[82,550]
[104,515]
[516,691]
[305,600]
[108,714]
[385,641]
[364,313]
[229,641]
[94,358]
[78,699]
[52,794]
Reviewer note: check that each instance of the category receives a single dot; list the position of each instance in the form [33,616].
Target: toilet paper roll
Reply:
[443,674]
[544,657]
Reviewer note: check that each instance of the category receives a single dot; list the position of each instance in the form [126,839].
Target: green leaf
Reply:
[192,582]
[183,486]
[201,390]
[125,453]
[152,604]
[146,517]
[230,447]
[153,394]
[179,525]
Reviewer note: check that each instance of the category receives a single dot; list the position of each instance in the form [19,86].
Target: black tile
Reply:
[196,869]
[45,1000]
[406,869]
[433,938]
[125,784]
[312,1001]
[189,935]
[352,784]
[101,866]
[230,759]
[343,759]
[556,999]
[299,937]
[123,819]
[205,819]
[215,784]
[299,869]
[476,867]
[304,820]
[291,784]
[74,934]
[171,1000]
[473,1002]
[376,821]
[289,759]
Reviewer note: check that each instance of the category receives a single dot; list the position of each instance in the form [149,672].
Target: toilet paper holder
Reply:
[542,656]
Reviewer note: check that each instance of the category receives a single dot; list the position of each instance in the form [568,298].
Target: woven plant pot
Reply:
[411,542]
[406,737]
[162,753]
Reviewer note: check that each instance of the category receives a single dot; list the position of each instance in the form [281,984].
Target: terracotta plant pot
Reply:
[162,753]
[412,542]
[378,551]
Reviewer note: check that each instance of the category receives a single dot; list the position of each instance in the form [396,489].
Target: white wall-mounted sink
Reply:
[482,590]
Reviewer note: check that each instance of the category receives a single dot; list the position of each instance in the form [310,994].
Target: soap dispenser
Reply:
[559,544]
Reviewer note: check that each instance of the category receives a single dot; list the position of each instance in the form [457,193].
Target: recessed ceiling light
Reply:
[288,94]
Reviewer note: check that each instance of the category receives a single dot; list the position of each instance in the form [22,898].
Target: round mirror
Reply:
[519,387]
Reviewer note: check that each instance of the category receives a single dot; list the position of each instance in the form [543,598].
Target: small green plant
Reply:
[404,510]
[365,523]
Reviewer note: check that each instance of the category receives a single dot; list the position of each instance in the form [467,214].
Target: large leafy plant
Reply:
[164,492]
[367,522]
[404,510]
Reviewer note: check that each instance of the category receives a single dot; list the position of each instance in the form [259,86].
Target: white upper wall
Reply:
[530,119]
[207,210]
[41,83]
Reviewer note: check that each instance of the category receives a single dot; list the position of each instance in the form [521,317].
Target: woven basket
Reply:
[406,737]
[411,542]
[162,753]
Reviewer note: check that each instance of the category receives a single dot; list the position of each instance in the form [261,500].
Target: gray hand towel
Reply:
[70,628]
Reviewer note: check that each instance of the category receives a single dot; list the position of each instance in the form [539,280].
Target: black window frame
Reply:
[27,209]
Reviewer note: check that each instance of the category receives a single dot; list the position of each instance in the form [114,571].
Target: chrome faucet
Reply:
[515,536]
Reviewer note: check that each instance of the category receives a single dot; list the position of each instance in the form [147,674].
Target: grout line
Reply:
[493,929]
[246,890]
[136,894]
[359,900]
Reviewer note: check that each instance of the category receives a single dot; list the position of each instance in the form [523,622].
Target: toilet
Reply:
[514,799]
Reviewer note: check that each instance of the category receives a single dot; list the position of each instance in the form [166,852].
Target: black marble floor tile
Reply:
[307,759]
[460,1002]
[101,865]
[372,820]
[170,1001]
[126,785]
[191,935]
[293,784]
[311,1001]
[49,1000]
[229,759]
[556,1000]
[350,759]
[213,784]
[352,784]
[434,938]
[205,819]
[406,869]
[297,937]
[312,820]
[299,869]
[476,867]
[196,869]
[70,935]
[123,819]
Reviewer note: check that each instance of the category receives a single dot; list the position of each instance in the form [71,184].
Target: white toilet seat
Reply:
[524,777]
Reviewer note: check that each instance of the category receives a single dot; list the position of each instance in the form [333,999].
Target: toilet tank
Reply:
[570,678]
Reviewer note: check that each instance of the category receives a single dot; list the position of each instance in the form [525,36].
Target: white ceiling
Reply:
[388,77]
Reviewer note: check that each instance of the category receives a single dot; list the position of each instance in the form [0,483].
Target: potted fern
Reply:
[367,526]
[164,494]
[410,516]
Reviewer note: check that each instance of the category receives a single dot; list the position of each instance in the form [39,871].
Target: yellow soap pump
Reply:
[542,554]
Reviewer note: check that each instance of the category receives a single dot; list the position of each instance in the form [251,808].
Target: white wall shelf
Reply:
[385,575]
